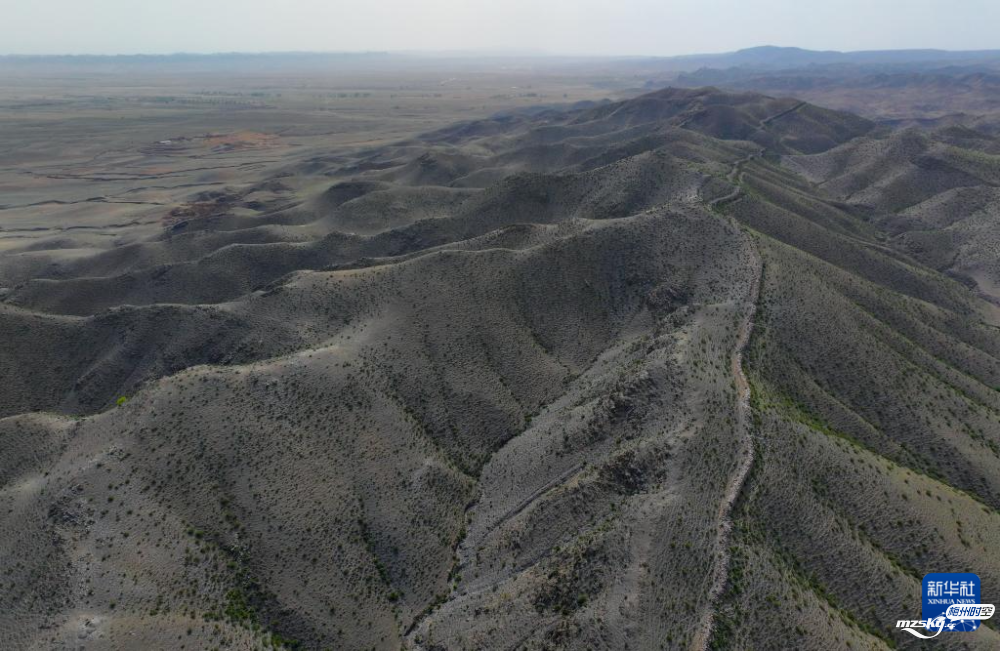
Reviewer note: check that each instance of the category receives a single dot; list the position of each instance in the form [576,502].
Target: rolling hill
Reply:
[693,370]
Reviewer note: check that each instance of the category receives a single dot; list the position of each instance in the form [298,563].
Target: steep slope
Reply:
[933,194]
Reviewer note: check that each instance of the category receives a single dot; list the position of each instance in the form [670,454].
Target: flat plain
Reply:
[113,149]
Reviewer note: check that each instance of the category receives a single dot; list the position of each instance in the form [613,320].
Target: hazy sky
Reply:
[555,26]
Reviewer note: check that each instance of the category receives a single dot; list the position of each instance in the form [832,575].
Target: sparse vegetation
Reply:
[488,387]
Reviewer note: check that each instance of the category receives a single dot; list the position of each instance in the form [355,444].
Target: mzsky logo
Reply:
[951,602]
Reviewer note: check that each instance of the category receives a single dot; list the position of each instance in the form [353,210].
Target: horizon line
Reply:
[488,52]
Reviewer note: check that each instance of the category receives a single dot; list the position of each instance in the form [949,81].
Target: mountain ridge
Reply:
[646,374]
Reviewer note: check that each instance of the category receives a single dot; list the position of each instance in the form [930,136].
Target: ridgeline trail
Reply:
[744,424]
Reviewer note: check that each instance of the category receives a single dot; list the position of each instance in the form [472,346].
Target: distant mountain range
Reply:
[773,57]
[762,57]
[885,85]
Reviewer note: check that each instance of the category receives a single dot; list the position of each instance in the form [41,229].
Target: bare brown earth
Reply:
[659,373]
